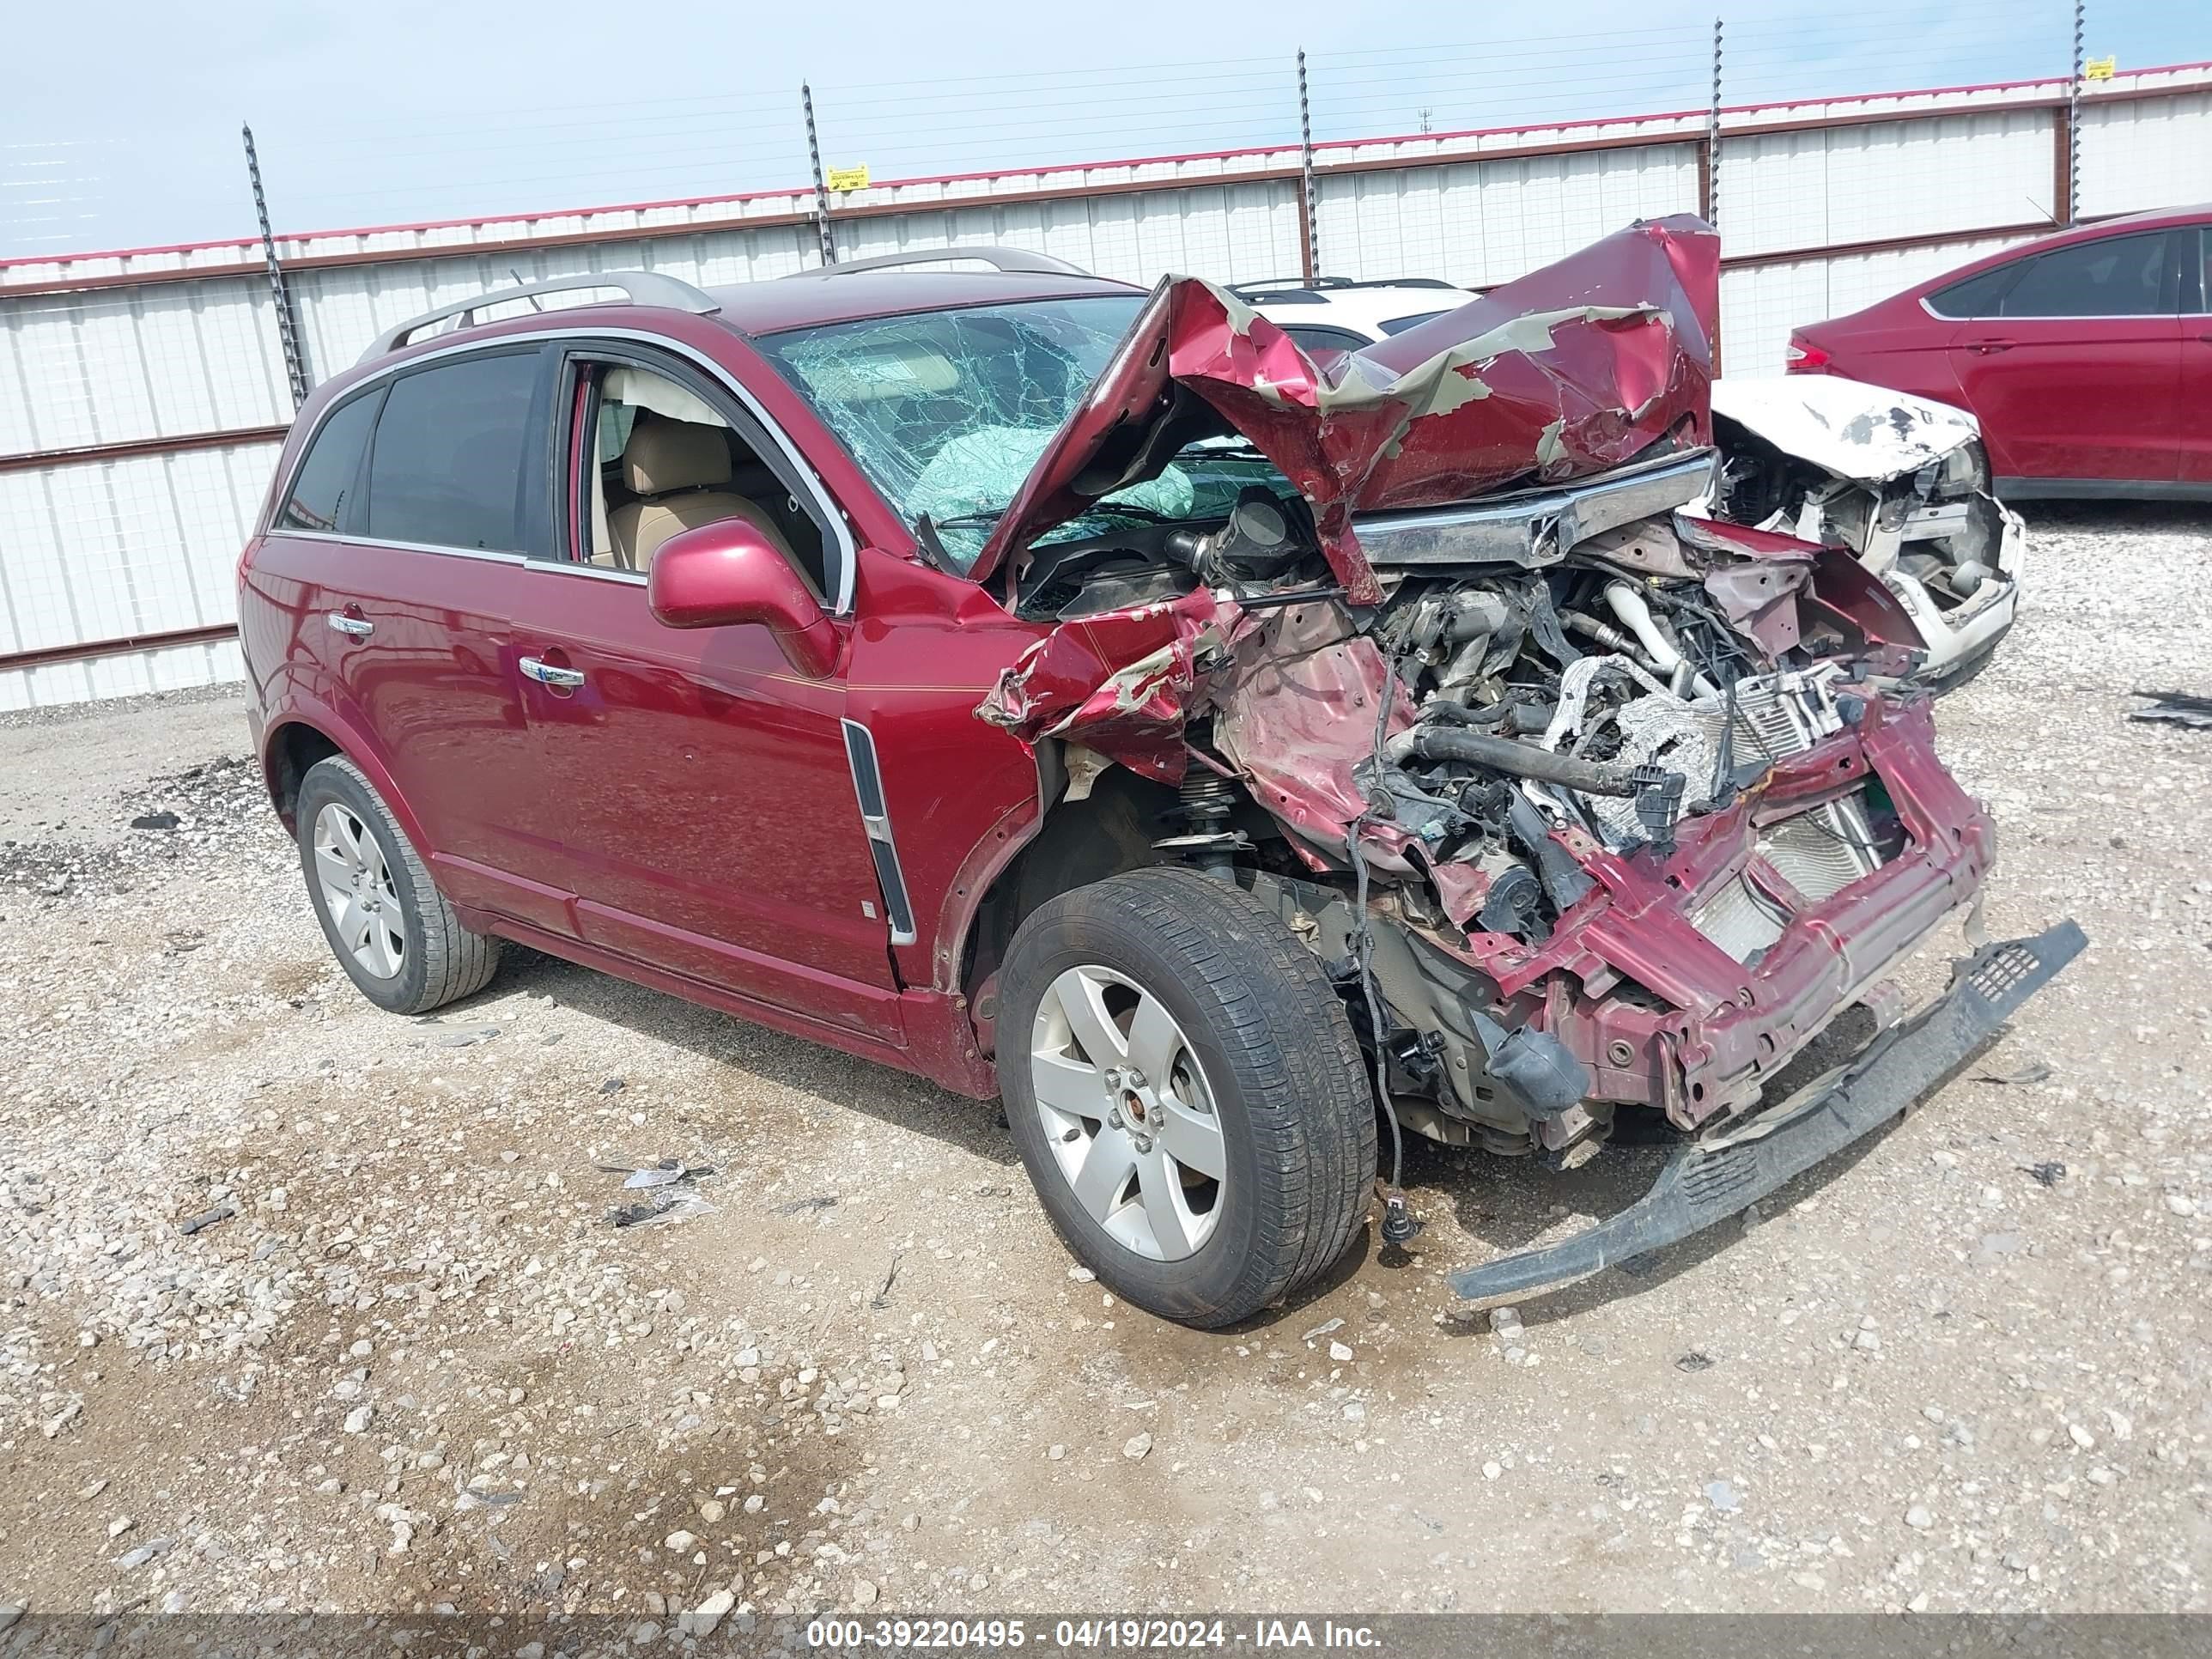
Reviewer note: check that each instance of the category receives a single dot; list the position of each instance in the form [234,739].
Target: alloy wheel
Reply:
[1128,1113]
[358,893]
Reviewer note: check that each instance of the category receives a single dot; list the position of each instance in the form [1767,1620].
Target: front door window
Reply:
[662,460]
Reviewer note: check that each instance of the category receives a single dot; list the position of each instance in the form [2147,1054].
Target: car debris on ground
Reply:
[670,1184]
[2175,707]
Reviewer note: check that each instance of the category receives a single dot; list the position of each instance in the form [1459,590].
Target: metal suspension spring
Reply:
[1208,800]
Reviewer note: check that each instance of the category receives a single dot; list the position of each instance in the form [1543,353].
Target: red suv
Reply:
[2086,355]
[1033,684]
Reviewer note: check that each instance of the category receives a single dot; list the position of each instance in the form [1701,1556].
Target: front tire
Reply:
[390,929]
[1186,1093]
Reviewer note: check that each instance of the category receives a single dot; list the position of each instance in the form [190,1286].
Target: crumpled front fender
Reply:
[1120,682]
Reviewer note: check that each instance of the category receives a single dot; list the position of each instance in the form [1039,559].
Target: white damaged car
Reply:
[1903,482]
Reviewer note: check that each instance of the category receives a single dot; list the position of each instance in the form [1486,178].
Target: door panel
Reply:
[2080,376]
[2195,426]
[2089,398]
[435,681]
[700,788]
[703,800]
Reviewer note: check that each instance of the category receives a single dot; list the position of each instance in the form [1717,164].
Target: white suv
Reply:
[1338,314]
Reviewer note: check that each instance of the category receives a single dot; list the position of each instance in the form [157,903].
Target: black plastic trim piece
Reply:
[2102,489]
[1702,1185]
[868,792]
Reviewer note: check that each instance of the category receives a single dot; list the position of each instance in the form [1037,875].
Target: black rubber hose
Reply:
[1524,760]
[1525,718]
[1446,712]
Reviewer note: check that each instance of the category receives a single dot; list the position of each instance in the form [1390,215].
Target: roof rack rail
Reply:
[643,288]
[1276,284]
[1333,284]
[1393,281]
[1012,260]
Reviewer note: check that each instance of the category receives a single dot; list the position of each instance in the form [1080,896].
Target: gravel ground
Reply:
[407,1363]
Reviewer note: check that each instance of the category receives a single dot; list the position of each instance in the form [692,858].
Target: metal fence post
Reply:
[1309,230]
[821,186]
[1712,203]
[1713,178]
[2074,120]
[287,333]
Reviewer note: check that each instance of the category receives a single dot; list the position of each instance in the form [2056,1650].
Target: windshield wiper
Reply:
[1128,509]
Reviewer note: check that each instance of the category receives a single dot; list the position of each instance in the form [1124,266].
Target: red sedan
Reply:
[2086,356]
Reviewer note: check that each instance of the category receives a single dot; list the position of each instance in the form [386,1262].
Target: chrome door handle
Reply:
[358,628]
[546,673]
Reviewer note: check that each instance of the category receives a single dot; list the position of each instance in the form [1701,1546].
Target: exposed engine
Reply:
[1624,688]
[1590,697]
[1665,710]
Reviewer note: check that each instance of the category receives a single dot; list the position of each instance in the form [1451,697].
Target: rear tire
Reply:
[1263,1081]
[390,929]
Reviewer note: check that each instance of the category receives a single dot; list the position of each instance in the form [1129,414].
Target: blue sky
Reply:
[416,109]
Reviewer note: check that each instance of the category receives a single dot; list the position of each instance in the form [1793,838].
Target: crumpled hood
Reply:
[1867,433]
[1573,369]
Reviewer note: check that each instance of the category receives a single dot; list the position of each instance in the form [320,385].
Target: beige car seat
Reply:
[674,467]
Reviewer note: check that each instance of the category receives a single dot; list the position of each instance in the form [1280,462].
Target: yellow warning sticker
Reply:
[849,178]
[2097,69]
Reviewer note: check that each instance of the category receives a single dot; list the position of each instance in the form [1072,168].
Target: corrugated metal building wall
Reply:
[143,394]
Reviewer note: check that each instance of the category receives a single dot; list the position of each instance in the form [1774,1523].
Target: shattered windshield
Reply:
[946,411]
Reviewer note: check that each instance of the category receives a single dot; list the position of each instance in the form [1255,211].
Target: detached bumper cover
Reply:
[1702,1185]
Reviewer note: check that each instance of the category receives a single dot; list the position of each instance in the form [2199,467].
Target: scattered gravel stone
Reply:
[703,1619]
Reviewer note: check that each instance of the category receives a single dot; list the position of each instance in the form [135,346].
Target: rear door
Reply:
[700,787]
[453,493]
[2079,377]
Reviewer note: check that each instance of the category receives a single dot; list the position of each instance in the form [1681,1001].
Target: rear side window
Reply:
[1977,295]
[452,464]
[322,487]
[2118,276]
[1400,325]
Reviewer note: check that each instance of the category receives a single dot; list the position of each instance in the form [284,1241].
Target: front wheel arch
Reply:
[1107,833]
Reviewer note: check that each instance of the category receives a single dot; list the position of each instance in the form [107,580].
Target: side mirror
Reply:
[726,573]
